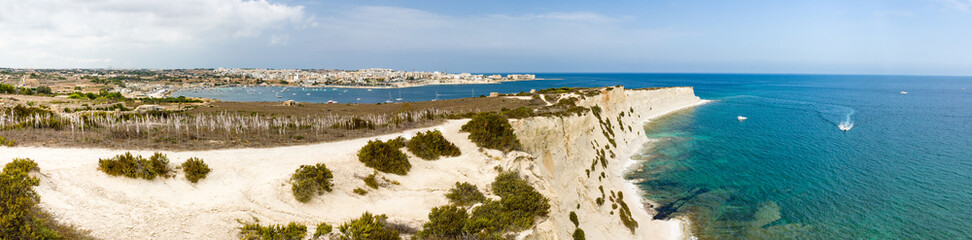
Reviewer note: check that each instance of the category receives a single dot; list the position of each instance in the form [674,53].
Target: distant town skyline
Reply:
[925,37]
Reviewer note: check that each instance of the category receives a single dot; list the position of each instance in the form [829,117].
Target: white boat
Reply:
[741,118]
[331,101]
[845,126]
[308,94]
[903,92]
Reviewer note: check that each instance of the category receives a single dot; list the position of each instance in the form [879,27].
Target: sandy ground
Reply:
[244,184]
[253,183]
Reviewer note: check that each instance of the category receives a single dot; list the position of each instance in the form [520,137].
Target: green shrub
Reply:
[195,169]
[465,194]
[491,130]
[518,195]
[8,143]
[7,88]
[371,181]
[519,205]
[254,231]
[322,230]
[431,145]
[573,219]
[311,180]
[625,214]
[360,191]
[384,157]
[520,112]
[445,222]
[18,201]
[133,166]
[579,234]
[368,226]
[398,142]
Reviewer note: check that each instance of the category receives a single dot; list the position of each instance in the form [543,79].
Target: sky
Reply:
[918,37]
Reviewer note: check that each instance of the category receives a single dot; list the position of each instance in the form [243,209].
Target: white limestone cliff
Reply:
[566,148]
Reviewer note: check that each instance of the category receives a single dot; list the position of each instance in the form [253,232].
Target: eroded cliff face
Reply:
[579,161]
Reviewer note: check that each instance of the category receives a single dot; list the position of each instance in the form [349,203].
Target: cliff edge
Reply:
[580,161]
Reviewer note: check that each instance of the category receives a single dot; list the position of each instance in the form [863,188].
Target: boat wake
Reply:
[837,115]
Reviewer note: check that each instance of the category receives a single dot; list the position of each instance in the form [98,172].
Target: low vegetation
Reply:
[311,180]
[20,218]
[135,166]
[323,229]
[444,222]
[465,194]
[255,231]
[368,226]
[491,130]
[360,191]
[8,143]
[371,181]
[384,157]
[431,145]
[625,213]
[578,234]
[195,169]
[573,219]
[519,206]
[354,124]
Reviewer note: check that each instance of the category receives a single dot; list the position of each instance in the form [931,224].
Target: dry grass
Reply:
[240,124]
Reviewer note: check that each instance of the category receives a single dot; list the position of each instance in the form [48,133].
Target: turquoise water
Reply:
[903,171]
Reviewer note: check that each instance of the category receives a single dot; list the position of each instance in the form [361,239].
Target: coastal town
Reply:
[157,83]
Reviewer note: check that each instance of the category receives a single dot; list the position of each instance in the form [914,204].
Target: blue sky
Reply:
[839,37]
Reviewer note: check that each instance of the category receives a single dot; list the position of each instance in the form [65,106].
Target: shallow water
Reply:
[902,171]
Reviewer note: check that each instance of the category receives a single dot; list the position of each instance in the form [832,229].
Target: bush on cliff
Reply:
[518,195]
[384,157]
[491,130]
[519,205]
[431,145]
[195,169]
[311,180]
[368,226]
[445,222]
[133,166]
[465,194]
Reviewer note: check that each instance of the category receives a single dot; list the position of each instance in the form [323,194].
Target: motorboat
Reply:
[741,118]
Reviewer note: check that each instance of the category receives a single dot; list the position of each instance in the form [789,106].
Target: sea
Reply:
[817,157]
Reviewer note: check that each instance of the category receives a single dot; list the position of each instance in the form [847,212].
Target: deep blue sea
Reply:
[903,171]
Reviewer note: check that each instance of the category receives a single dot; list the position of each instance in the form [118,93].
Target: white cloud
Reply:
[65,33]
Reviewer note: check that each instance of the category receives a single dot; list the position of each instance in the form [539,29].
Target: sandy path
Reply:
[244,183]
